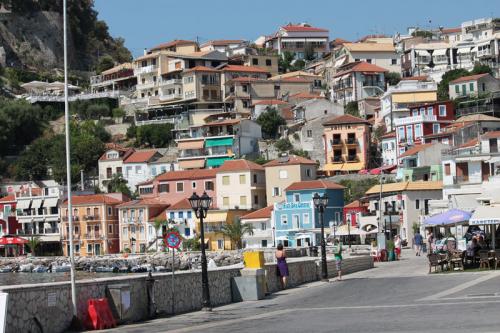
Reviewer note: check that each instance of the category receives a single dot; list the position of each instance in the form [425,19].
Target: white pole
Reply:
[68,165]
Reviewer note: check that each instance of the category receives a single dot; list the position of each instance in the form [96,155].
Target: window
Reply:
[484,86]
[447,169]
[255,178]
[153,171]
[308,173]
[181,215]
[305,218]
[263,243]
[295,221]
[209,186]
[276,192]
[225,201]
[457,89]
[180,187]
[110,228]
[150,230]
[414,113]
[125,232]
[296,197]
[442,110]
[422,111]
[357,59]
[162,188]
[243,179]
[255,61]
[430,111]
[109,173]
[138,169]
[189,214]
[89,248]
[225,180]
[409,133]
[193,185]
[418,130]
[401,130]
[283,174]
[369,61]
[187,232]
[284,219]
[417,204]
[110,211]
[243,200]
[394,61]
[220,244]
[172,215]
[146,190]
[471,86]
[309,133]
[435,128]
[255,199]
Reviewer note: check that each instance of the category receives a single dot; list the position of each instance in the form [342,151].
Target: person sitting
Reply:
[481,243]
[471,250]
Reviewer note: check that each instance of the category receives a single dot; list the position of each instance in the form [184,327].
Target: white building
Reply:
[136,167]
[389,149]
[473,86]
[110,164]
[263,230]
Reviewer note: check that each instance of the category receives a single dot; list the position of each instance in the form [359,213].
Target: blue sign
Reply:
[294,205]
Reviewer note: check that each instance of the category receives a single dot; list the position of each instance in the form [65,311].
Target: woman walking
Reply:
[281,266]
[337,251]
[397,246]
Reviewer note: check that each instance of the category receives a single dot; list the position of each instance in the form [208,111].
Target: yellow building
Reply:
[347,142]
[213,223]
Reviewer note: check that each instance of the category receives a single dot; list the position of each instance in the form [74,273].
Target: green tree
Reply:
[422,33]
[118,113]
[106,62]
[236,231]
[481,68]
[301,152]
[119,184]
[443,86]
[192,244]
[156,135]
[392,78]
[270,121]
[283,145]
[298,65]
[356,189]
[33,244]
[309,52]
[285,62]
[352,109]
[157,224]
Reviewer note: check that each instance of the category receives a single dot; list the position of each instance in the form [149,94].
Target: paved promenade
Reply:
[392,297]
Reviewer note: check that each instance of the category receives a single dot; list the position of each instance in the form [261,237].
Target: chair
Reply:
[456,260]
[497,258]
[375,254]
[434,262]
[484,259]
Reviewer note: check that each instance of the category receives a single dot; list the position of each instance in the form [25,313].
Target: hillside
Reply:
[31,33]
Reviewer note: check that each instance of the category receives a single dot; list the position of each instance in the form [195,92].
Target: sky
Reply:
[146,23]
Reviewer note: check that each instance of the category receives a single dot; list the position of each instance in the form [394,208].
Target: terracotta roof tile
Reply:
[175,42]
[270,102]
[239,165]
[305,95]
[302,28]
[344,119]
[451,30]
[141,156]
[468,144]
[201,69]
[360,66]
[93,199]
[492,135]
[388,135]
[8,198]
[222,42]
[415,78]
[414,150]
[406,186]
[182,204]
[314,184]
[248,69]
[222,122]
[370,47]
[469,78]
[354,204]
[157,202]
[297,79]
[262,213]
[290,160]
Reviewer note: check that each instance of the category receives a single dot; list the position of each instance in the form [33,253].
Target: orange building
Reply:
[347,144]
[95,224]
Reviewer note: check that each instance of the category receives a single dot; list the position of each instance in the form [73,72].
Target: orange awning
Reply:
[195,144]
[192,164]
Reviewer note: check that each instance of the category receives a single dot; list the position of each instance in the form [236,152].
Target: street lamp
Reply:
[349,229]
[274,237]
[320,204]
[200,206]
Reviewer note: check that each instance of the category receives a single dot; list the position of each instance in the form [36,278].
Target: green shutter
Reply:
[457,88]
[218,142]
[216,161]
[471,86]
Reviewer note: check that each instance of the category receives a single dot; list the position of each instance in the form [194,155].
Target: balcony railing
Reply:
[352,158]
[336,142]
[475,109]
[414,119]
[460,179]
[75,218]
[146,69]
[169,82]
[351,141]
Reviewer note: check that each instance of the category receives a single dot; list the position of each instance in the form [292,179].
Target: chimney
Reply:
[145,51]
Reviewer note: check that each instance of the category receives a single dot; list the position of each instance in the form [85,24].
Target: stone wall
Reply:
[49,305]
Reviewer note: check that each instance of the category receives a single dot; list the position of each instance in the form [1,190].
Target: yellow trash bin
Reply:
[253,259]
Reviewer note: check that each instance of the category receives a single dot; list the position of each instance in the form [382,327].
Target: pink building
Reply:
[174,186]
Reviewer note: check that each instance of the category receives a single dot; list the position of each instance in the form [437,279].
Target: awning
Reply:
[219,142]
[472,158]
[451,217]
[195,144]
[217,161]
[344,230]
[485,215]
[192,164]
[36,203]
[463,51]
[282,238]
[12,240]
[50,202]
[340,62]
[23,204]
[464,201]
[439,52]
[422,53]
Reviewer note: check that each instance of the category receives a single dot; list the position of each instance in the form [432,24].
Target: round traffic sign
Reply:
[173,240]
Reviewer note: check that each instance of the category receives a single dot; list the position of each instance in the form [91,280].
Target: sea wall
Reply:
[48,306]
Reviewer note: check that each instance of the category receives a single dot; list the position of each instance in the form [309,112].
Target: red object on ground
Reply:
[12,240]
[99,314]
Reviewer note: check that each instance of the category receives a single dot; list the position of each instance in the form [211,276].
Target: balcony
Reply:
[146,85]
[336,142]
[414,119]
[457,180]
[91,218]
[352,159]
[170,97]
[75,219]
[164,83]
[76,236]
[93,235]
[337,159]
[146,69]
[351,141]
[484,109]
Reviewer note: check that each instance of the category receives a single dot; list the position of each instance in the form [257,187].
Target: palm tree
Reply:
[236,231]
[33,244]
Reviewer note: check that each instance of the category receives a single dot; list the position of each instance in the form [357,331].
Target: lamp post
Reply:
[320,204]
[349,229]
[274,237]
[200,206]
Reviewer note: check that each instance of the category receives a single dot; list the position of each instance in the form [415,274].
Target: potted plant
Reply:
[126,251]
[389,245]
